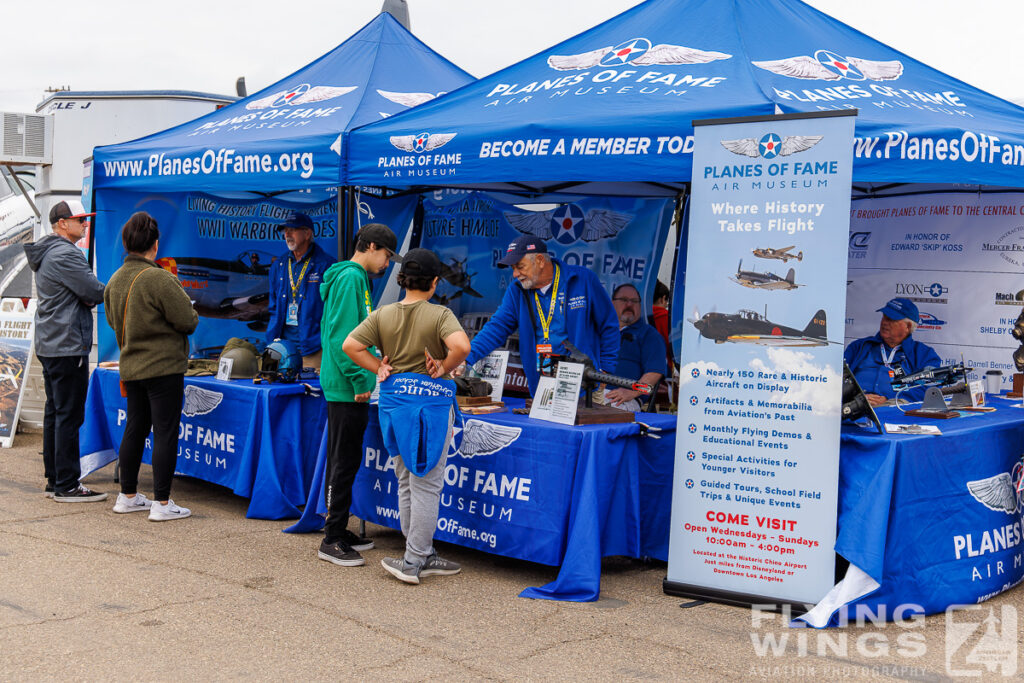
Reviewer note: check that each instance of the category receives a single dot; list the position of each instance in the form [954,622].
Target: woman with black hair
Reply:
[151,316]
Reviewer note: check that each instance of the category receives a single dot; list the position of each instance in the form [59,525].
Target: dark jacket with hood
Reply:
[66,290]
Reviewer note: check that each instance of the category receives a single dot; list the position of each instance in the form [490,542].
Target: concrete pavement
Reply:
[89,594]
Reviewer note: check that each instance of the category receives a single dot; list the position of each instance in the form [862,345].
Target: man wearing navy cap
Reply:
[295,305]
[550,302]
[872,358]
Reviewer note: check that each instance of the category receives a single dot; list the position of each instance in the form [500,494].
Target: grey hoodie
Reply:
[67,289]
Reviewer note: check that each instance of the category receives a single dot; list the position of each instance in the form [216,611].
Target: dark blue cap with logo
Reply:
[296,219]
[901,309]
[520,247]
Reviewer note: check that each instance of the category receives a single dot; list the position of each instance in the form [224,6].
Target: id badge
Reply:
[543,348]
[292,318]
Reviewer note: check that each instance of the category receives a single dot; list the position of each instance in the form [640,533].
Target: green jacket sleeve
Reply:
[346,309]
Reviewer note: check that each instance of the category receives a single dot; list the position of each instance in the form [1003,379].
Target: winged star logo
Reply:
[827,65]
[477,437]
[635,52]
[568,224]
[199,401]
[304,93]
[424,142]
[1002,492]
[771,145]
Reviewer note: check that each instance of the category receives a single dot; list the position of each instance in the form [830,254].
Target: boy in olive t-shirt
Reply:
[423,342]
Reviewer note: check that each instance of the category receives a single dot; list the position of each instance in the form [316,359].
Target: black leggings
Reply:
[152,403]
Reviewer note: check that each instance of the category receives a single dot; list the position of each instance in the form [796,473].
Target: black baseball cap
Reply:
[382,236]
[296,219]
[71,208]
[520,247]
[421,262]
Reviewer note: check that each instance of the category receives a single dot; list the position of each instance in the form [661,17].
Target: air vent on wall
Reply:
[26,138]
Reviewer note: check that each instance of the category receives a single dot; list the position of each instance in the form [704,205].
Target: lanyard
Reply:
[887,360]
[545,323]
[302,273]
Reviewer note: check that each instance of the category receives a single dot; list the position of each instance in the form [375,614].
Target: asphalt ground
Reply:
[87,594]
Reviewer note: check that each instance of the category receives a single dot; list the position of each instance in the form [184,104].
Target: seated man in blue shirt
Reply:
[870,359]
[641,349]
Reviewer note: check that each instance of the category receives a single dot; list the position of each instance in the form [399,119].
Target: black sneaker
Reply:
[82,494]
[340,553]
[356,542]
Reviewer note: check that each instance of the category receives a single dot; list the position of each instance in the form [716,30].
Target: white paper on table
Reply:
[911,429]
[491,368]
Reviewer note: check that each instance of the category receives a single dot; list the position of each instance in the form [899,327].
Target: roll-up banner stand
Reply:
[757,452]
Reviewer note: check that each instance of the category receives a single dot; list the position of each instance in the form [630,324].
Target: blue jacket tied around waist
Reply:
[417,414]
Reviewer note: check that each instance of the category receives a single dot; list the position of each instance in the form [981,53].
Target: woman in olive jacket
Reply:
[154,356]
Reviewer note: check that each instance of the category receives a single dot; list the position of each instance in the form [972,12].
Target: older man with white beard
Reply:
[295,305]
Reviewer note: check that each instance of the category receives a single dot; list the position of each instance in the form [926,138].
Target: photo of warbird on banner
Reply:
[749,327]
[618,238]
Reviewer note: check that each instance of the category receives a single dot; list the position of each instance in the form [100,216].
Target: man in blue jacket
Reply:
[295,276]
[550,302]
[872,358]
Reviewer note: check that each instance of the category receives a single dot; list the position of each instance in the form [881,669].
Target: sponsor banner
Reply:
[221,249]
[958,257]
[226,437]
[16,334]
[757,452]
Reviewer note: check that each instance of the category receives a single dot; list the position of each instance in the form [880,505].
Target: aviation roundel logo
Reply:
[690,455]
[693,400]
[695,372]
[290,95]
[567,224]
[689,483]
[937,290]
[692,428]
[626,52]
[838,64]
[769,145]
[419,143]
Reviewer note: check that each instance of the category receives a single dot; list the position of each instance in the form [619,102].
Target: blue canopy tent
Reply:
[292,134]
[220,183]
[611,108]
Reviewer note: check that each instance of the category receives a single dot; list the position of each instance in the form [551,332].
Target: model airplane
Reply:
[781,254]
[234,290]
[746,326]
[755,280]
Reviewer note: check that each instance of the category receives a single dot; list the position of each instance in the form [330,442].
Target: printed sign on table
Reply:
[15,356]
[757,459]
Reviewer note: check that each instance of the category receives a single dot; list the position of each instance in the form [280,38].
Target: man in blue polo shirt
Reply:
[641,349]
[872,358]
[549,303]
[295,276]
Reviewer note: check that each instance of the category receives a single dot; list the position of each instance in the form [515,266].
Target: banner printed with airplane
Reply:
[762,357]
[620,239]
[221,250]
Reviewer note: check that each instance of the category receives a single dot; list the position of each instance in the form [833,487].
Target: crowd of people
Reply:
[412,348]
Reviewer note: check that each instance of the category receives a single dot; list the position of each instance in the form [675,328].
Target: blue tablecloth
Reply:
[536,491]
[908,518]
[260,441]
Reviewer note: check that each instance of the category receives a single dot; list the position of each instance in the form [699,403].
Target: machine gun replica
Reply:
[948,380]
[592,377]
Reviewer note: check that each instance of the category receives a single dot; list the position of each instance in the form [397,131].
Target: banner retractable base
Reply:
[686,590]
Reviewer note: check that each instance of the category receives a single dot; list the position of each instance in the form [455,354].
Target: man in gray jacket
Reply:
[67,291]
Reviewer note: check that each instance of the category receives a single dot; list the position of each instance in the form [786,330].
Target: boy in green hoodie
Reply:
[345,291]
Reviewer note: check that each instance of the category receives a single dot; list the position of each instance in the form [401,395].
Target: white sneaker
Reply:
[136,504]
[164,513]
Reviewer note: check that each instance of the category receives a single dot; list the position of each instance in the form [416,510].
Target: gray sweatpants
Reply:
[418,502]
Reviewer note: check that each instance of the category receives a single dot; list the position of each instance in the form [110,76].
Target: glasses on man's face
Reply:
[624,300]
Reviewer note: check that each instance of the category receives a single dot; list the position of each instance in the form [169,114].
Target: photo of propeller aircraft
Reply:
[755,280]
[746,326]
[781,254]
